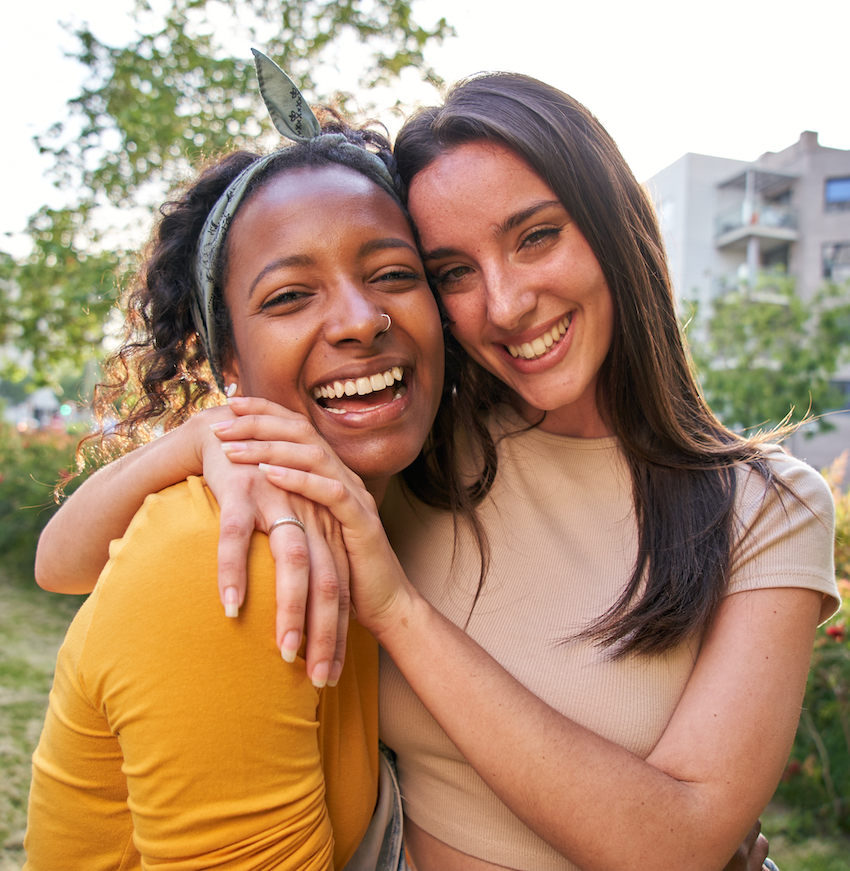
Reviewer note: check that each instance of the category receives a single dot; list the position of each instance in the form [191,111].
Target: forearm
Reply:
[597,804]
[74,546]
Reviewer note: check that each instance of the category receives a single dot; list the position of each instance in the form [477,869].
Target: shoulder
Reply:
[795,478]
[177,514]
[785,529]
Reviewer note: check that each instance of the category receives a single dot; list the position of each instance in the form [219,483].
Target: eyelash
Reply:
[287,297]
[399,275]
[539,237]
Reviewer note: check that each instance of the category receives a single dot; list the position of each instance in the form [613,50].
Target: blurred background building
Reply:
[726,221]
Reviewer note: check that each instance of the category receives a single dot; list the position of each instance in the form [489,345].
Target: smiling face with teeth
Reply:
[314,258]
[524,291]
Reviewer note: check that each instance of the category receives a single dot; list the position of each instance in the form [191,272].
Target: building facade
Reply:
[725,221]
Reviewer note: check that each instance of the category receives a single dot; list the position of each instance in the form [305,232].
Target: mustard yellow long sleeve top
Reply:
[177,738]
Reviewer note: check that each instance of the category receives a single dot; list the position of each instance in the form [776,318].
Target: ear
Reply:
[230,374]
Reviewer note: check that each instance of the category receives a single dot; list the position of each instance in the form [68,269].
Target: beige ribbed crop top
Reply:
[563,538]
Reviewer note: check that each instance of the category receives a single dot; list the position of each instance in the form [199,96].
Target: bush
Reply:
[817,778]
[32,463]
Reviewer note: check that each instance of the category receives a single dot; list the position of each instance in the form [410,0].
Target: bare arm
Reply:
[719,759]
[311,571]
[74,546]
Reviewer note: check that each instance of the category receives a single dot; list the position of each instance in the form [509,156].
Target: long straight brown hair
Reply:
[680,456]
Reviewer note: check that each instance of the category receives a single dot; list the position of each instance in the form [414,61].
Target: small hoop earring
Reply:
[389,323]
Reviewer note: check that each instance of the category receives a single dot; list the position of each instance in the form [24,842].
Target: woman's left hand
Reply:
[296,459]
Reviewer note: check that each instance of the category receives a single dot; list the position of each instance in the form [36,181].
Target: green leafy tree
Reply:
[765,352]
[149,110]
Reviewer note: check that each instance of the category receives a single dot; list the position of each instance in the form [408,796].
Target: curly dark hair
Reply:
[161,374]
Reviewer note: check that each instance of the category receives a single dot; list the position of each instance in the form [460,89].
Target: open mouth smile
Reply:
[342,397]
[543,343]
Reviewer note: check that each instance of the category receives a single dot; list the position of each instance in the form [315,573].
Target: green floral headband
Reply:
[295,120]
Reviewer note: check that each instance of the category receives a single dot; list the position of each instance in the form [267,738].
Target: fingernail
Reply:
[221,425]
[289,648]
[231,602]
[267,468]
[230,390]
[336,672]
[233,447]
[320,674]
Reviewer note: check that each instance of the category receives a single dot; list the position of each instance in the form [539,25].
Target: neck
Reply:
[377,487]
[572,420]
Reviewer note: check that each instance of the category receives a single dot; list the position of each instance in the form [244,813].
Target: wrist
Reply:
[196,439]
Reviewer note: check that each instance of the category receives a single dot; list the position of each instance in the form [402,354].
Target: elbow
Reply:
[44,576]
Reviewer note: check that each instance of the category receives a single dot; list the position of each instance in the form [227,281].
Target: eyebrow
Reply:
[280,263]
[383,244]
[502,229]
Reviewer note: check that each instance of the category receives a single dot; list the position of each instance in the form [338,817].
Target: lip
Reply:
[553,355]
[369,417]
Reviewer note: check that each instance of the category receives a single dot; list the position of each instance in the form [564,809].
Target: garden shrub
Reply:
[817,777]
[32,464]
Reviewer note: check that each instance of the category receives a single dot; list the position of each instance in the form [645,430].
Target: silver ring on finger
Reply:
[282,521]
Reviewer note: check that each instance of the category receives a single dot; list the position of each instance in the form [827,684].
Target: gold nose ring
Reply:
[389,323]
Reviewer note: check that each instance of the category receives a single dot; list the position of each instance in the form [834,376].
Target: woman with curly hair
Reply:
[174,738]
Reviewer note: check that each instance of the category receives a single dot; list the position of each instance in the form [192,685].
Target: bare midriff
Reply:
[428,853]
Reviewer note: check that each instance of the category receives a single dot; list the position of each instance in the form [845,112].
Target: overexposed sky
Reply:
[733,78]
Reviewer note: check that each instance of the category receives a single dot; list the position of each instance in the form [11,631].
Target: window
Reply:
[836,261]
[837,194]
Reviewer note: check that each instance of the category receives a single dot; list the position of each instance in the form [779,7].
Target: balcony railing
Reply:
[760,216]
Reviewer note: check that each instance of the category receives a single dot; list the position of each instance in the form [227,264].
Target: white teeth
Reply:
[358,386]
[539,346]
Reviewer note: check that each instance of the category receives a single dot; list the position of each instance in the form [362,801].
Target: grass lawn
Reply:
[32,625]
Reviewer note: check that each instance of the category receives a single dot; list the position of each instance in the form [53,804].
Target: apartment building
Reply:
[726,220]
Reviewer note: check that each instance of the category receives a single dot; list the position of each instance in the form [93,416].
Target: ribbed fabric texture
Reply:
[563,540]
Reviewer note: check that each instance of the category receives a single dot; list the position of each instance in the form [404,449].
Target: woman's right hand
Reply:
[311,569]
[297,460]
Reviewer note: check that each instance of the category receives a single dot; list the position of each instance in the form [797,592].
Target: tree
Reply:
[149,111]
[763,352]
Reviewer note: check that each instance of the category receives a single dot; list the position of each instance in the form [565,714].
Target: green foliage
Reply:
[173,93]
[32,463]
[149,111]
[764,352]
[816,781]
[54,302]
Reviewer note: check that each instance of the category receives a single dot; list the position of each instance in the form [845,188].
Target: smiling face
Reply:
[315,258]
[524,290]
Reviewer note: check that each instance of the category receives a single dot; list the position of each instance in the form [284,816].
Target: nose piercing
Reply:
[389,323]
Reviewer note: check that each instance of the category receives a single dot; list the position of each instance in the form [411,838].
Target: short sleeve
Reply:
[786,533]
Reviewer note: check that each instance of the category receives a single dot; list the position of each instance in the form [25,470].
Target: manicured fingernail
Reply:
[230,389]
[336,672]
[231,602]
[221,425]
[267,468]
[233,447]
[320,674]
[289,648]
